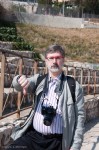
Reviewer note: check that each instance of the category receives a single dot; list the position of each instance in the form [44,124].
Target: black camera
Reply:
[48,113]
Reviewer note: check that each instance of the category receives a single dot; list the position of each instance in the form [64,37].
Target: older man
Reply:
[56,121]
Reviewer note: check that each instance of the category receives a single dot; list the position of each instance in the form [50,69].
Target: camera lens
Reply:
[47,121]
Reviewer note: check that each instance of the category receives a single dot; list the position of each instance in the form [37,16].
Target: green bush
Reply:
[10,38]
[8,33]
[23,46]
[37,56]
[8,30]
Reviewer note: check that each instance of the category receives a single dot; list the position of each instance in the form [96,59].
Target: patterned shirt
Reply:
[49,100]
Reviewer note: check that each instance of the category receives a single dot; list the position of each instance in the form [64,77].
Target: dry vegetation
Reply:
[80,44]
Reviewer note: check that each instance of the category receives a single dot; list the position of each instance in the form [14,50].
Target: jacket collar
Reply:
[43,86]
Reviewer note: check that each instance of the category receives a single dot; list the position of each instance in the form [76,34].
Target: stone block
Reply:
[5,133]
[6,130]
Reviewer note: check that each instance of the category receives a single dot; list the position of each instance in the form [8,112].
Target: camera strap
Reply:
[58,89]
[57,98]
[60,85]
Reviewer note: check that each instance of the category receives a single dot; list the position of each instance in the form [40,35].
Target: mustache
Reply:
[55,65]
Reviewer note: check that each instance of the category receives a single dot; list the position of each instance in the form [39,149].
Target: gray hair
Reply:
[53,49]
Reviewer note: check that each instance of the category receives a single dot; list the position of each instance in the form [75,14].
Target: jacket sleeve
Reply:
[79,118]
[32,84]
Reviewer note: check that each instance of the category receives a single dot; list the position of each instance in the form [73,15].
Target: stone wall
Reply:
[44,20]
[47,20]
[91,107]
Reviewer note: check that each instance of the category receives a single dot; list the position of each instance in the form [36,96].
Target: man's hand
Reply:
[24,83]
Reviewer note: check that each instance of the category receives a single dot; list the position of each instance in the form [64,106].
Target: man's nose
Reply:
[54,60]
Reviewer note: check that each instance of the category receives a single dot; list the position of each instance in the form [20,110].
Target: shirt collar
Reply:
[55,79]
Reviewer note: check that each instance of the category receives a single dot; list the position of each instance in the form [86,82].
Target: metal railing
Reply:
[12,102]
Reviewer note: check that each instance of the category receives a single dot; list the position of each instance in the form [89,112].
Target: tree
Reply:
[89,6]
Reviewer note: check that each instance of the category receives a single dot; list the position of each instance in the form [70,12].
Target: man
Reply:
[56,122]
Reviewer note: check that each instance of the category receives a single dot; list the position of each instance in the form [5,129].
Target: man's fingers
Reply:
[22,79]
[24,92]
[25,88]
[24,83]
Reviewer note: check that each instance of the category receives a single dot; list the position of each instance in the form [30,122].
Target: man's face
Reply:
[54,62]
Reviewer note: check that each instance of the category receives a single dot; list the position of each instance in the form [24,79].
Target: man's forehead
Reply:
[54,54]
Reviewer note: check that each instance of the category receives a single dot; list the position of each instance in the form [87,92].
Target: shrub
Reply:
[8,30]
[23,46]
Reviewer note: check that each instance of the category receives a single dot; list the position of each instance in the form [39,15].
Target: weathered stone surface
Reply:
[5,132]
[92,108]
[91,136]
[6,45]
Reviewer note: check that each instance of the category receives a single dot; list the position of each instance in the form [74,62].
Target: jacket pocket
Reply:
[70,108]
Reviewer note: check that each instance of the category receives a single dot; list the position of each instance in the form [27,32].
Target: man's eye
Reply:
[57,58]
[51,58]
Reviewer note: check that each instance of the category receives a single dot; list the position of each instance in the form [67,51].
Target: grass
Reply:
[80,44]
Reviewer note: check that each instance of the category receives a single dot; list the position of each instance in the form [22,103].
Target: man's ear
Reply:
[45,61]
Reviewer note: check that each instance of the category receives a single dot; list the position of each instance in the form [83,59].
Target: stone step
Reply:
[6,45]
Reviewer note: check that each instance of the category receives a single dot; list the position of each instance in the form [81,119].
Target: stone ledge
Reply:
[91,107]
[5,133]
[6,130]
